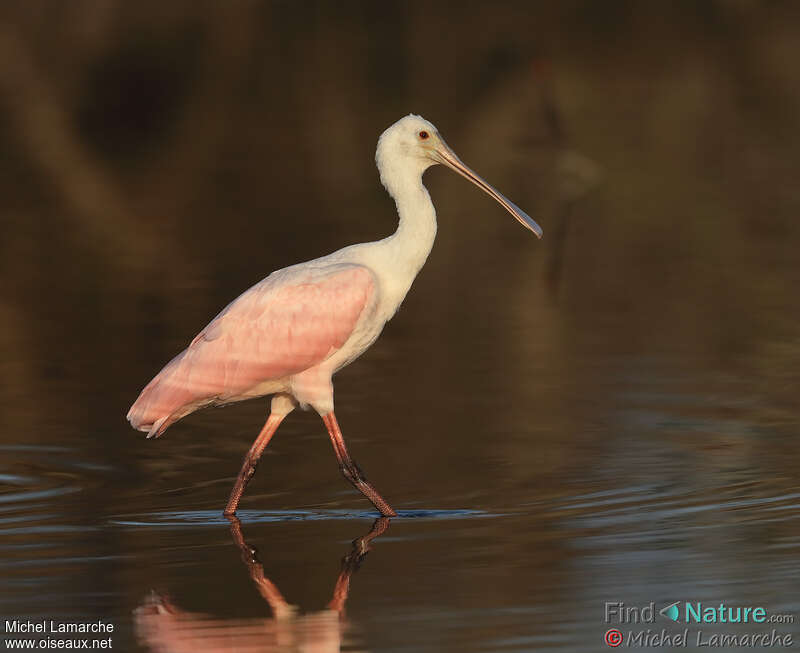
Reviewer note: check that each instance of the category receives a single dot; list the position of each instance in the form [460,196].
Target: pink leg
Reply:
[251,461]
[350,469]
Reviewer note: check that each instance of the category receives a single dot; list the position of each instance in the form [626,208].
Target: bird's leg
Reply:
[351,470]
[251,461]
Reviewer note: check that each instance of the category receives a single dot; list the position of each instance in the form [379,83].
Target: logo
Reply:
[702,625]
[671,611]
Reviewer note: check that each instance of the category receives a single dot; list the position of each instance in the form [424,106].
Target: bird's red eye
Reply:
[423,135]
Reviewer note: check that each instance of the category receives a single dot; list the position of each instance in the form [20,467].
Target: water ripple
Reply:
[191,518]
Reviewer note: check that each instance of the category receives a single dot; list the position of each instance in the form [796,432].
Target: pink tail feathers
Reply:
[164,400]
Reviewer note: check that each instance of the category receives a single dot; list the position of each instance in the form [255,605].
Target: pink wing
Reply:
[292,320]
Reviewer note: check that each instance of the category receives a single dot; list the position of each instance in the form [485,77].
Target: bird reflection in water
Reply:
[163,627]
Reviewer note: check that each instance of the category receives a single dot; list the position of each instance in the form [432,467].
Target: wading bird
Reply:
[287,335]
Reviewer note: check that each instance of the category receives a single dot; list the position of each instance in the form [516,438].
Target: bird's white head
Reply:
[409,138]
[412,145]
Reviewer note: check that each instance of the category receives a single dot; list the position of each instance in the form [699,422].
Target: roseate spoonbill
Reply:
[287,335]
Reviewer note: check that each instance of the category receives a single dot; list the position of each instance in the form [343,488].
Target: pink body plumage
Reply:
[291,322]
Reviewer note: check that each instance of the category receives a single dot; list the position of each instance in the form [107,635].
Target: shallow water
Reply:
[606,415]
[675,497]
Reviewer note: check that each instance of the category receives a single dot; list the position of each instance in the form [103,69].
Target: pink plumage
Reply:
[288,323]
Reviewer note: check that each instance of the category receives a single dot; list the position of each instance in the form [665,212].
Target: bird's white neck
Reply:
[416,230]
[406,250]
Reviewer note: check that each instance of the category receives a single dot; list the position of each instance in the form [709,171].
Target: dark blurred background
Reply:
[158,158]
